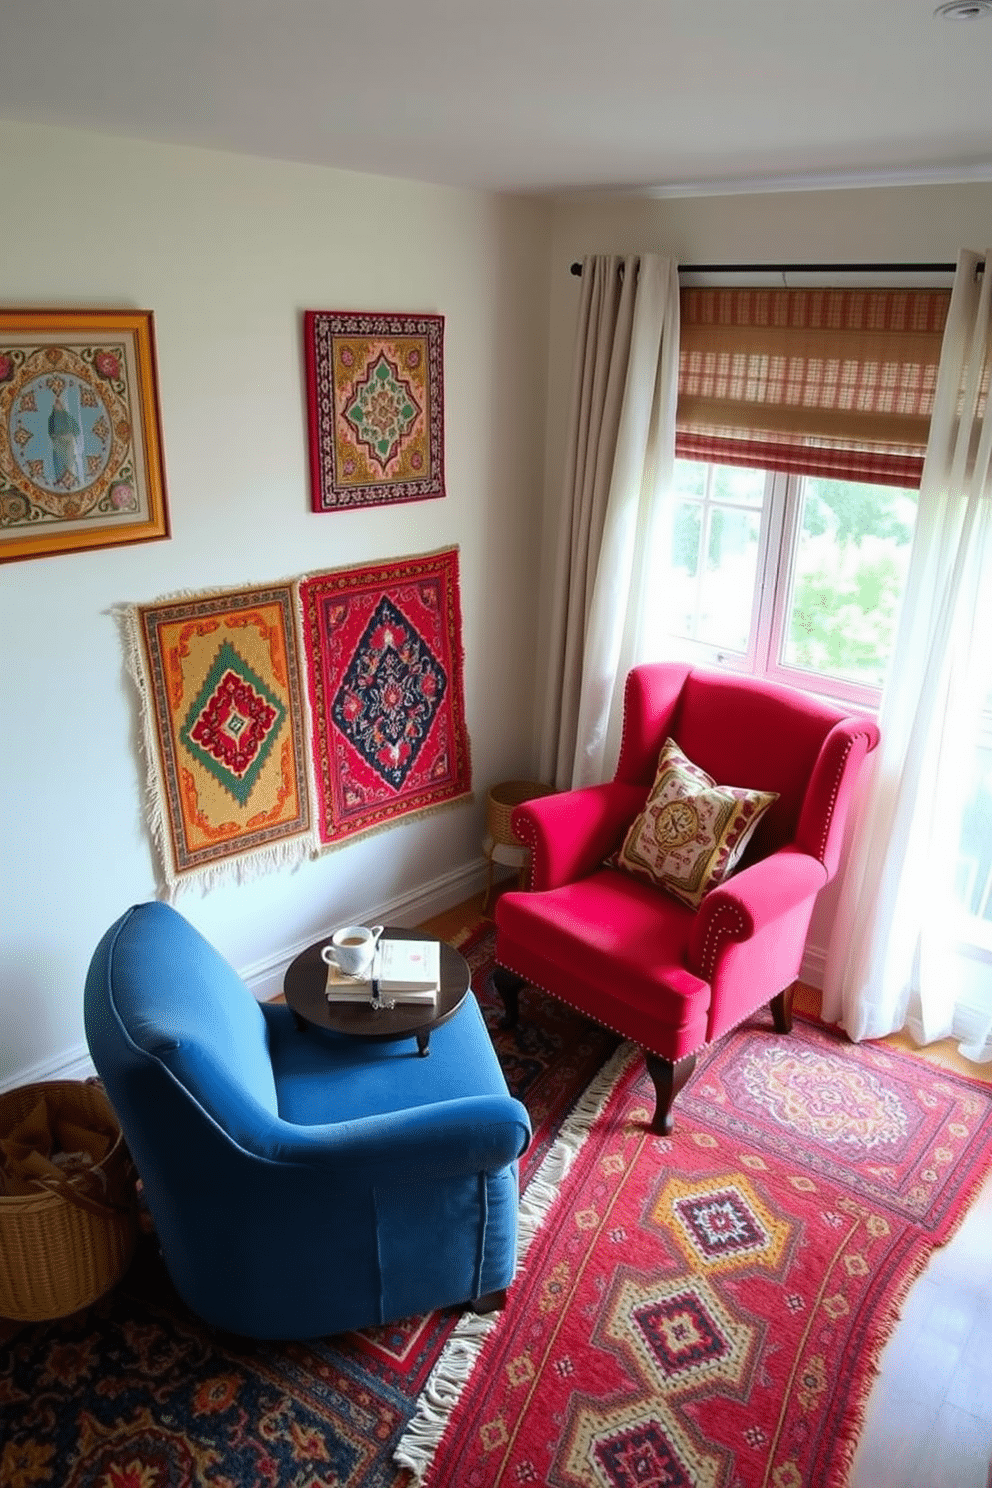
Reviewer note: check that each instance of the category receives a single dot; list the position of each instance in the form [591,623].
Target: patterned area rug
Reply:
[384,666]
[708,1309]
[219,684]
[375,395]
[703,1309]
[135,1392]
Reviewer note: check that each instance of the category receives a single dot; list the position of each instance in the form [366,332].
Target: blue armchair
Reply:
[301,1183]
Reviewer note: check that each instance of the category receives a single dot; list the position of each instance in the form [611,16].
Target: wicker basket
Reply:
[501,801]
[63,1248]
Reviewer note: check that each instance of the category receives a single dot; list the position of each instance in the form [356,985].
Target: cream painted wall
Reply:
[228,251]
[892,224]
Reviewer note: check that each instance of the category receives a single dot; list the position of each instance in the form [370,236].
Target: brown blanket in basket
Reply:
[48,1144]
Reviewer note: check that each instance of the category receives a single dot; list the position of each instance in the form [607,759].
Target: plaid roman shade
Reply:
[836,382]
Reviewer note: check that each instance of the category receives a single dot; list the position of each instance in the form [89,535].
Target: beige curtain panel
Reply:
[600,362]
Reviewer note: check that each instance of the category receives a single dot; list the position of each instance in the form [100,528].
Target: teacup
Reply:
[351,948]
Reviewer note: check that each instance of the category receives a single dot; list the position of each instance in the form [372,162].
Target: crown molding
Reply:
[937,175]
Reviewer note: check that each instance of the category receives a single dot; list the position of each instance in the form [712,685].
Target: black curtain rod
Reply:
[811,268]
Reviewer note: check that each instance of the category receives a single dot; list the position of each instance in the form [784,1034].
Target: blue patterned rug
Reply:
[136,1392]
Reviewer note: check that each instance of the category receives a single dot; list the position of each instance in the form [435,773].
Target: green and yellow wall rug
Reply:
[224,730]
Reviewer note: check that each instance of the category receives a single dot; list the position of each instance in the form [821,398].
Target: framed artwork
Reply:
[375,402]
[81,461]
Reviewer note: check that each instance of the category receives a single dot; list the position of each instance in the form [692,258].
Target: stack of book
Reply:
[402,971]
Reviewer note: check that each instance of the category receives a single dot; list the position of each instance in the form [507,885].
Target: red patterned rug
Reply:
[708,1309]
[383,650]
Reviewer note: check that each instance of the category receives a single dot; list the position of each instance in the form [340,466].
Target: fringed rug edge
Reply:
[129,621]
[884,1324]
[333,844]
[242,867]
[443,1390]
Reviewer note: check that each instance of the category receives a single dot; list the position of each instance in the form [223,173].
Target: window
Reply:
[802,424]
[799,579]
[794,577]
[802,421]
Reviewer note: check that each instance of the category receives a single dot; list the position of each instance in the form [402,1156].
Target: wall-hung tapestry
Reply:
[375,397]
[224,730]
[80,443]
[383,651]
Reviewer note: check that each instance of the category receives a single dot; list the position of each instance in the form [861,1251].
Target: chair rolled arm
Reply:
[833,782]
[570,834]
[474,1134]
[752,898]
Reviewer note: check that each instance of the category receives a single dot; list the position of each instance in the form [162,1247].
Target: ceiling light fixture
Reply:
[964,10]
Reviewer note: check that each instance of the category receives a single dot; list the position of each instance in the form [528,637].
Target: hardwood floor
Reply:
[929,1418]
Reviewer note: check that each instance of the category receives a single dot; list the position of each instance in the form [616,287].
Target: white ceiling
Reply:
[522,95]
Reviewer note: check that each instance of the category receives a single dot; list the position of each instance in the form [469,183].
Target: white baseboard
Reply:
[265,977]
[814,964]
[72,1064]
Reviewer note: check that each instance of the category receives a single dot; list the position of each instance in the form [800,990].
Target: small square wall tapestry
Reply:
[383,652]
[222,706]
[375,394]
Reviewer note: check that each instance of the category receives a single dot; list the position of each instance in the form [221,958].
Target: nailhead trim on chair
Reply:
[600,1021]
[715,932]
[623,727]
[603,1023]
[575,1008]
[528,836]
[833,794]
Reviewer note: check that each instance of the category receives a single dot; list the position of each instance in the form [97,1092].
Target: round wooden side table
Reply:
[306,979]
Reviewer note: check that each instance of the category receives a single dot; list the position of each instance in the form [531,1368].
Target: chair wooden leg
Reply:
[781,1007]
[508,985]
[669,1076]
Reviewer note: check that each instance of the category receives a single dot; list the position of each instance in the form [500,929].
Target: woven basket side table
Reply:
[500,845]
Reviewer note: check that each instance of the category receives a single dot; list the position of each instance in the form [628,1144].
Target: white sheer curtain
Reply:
[907,947]
[622,445]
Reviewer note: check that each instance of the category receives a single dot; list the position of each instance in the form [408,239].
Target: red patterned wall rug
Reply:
[384,658]
[709,1308]
[375,399]
[222,717]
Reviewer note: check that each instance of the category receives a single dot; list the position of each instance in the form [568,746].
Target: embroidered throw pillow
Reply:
[692,832]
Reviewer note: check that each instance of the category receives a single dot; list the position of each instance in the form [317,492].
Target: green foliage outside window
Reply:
[850,573]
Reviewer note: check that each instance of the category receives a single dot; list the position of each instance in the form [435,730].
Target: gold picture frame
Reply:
[81,463]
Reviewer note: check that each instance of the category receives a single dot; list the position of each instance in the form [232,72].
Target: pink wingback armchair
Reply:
[628,954]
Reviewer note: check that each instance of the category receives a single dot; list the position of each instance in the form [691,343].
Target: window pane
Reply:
[851,560]
[690,478]
[714,594]
[740,484]
[727,588]
[686,533]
